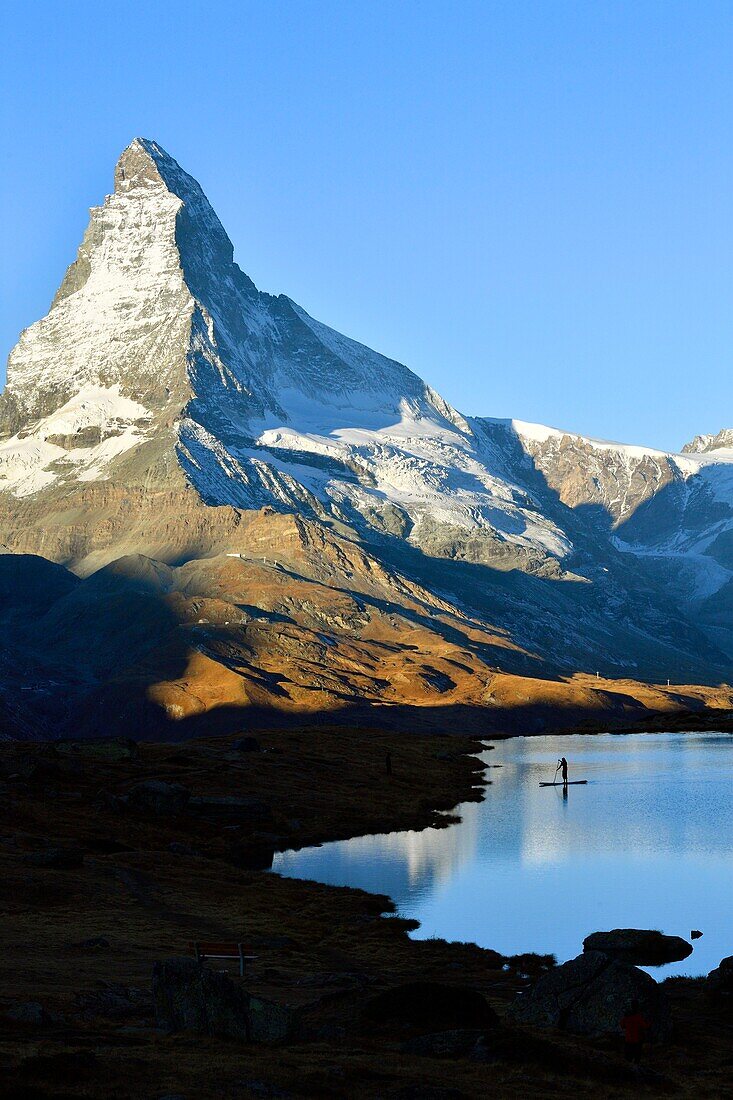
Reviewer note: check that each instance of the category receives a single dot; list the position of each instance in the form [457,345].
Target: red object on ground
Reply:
[634,1027]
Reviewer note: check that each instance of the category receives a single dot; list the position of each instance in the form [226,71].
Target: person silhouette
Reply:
[564,770]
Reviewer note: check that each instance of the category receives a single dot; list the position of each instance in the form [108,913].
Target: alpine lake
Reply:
[646,843]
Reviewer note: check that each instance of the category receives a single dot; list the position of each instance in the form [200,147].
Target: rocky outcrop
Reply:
[639,946]
[189,996]
[719,982]
[588,473]
[589,996]
[704,443]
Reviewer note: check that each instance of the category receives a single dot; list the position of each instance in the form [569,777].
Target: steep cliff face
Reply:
[612,477]
[164,400]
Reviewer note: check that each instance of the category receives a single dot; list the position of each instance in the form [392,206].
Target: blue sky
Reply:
[528,203]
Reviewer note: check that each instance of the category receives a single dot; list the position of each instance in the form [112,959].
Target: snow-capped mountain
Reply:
[156,336]
[163,396]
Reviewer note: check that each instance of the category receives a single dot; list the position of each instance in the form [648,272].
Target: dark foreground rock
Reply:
[590,994]
[188,996]
[719,982]
[432,1005]
[639,946]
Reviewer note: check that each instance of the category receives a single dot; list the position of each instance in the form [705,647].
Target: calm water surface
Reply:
[648,843]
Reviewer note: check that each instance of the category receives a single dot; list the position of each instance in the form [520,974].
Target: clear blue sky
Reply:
[529,203]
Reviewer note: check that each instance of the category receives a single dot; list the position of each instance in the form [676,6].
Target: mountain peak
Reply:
[139,164]
[162,379]
[119,321]
[701,444]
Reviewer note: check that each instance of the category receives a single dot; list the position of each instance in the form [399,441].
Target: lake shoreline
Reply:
[540,846]
[148,881]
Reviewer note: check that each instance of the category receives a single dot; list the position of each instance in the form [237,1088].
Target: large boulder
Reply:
[590,994]
[432,1005]
[155,796]
[639,946]
[719,982]
[270,1022]
[189,996]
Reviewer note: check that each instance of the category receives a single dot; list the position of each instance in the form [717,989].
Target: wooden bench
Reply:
[231,952]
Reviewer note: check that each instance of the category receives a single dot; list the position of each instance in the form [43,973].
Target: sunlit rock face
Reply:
[164,397]
[723,441]
[613,478]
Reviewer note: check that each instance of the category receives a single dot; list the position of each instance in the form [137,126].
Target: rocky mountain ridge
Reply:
[166,407]
[723,441]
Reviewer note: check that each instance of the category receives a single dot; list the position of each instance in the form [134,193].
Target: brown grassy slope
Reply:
[302,620]
[322,630]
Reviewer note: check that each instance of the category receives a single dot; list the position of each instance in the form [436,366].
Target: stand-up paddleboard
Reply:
[570,783]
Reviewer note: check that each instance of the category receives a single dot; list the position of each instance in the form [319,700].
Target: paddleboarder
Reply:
[562,771]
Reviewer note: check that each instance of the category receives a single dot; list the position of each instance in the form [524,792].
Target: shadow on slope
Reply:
[682,539]
[144,650]
[61,637]
[609,623]
[124,710]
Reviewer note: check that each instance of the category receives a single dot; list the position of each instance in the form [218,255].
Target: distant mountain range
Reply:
[298,522]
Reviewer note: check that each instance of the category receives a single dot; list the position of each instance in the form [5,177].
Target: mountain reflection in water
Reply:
[648,843]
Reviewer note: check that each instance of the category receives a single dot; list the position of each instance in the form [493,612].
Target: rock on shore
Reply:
[590,994]
[639,946]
